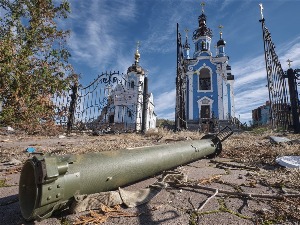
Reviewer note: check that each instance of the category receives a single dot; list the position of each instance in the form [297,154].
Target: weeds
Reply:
[3,183]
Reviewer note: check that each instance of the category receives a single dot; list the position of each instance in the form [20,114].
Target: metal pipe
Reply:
[50,183]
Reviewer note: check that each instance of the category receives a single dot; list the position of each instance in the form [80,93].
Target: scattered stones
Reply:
[10,129]
[13,162]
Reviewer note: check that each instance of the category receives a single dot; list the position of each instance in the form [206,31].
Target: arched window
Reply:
[132,84]
[203,45]
[204,79]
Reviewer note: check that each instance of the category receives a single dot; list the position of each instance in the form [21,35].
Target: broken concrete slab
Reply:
[278,140]
[289,161]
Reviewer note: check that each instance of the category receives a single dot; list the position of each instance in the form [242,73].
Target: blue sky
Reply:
[104,35]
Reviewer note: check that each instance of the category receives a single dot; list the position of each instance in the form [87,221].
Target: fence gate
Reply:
[284,98]
[92,107]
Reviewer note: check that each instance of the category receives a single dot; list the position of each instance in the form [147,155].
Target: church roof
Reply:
[136,68]
[186,44]
[202,30]
[221,42]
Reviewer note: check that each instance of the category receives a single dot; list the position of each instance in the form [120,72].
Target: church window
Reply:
[205,111]
[203,45]
[204,79]
[132,84]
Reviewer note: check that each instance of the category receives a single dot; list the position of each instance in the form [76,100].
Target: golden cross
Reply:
[186,32]
[202,5]
[220,27]
[261,10]
[289,63]
[138,44]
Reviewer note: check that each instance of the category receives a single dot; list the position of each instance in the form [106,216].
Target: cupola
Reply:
[136,67]
[202,36]
[221,44]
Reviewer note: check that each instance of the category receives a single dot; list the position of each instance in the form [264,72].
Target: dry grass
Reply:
[249,148]
[255,149]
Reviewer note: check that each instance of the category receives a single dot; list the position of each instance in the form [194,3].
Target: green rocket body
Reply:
[49,183]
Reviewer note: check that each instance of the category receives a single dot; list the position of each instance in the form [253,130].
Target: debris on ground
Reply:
[30,149]
[12,162]
[100,217]
[278,140]
[289,161]
[244,185]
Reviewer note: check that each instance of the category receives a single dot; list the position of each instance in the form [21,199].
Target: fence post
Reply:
[291,76]
[145,105]
[72,107]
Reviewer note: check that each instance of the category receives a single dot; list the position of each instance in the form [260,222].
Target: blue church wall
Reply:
[211,94]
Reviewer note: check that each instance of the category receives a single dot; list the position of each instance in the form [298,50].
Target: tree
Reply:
[33,61]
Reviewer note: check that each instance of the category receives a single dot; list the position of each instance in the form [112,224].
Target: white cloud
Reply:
[251,78]
[96,40]
[165,104]
[168,116]
[162,26]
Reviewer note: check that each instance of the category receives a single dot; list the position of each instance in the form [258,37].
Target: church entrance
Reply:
[205,112]
[111,118]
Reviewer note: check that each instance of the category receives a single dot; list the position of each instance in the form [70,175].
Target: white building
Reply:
[126,106]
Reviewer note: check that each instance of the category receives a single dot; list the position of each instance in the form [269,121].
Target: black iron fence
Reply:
[283,97]
[92,107]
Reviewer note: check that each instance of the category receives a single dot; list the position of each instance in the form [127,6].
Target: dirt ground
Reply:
[246,166]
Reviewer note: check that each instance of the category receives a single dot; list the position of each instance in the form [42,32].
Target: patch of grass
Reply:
[223,208]
[64,221]
[260,130]
[268,222]
[3,183]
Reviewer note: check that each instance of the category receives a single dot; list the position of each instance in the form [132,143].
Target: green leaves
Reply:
[34,61]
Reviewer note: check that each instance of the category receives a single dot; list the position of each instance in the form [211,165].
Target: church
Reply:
[130,106]
[204,83]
